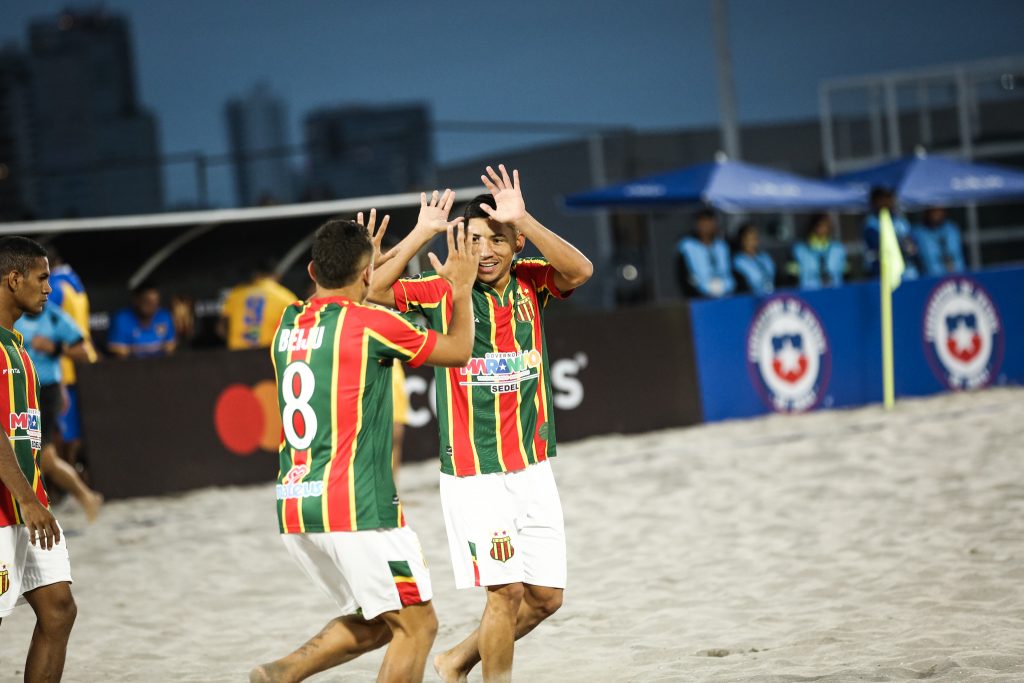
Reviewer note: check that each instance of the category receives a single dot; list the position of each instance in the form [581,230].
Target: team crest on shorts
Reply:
[5,580]
[788,355]
[501,547]
[963,334]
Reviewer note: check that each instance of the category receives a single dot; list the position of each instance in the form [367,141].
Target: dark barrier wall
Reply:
[210,418]
[805,350]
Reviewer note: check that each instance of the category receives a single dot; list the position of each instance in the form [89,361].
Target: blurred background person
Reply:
[820,260]
[70,296]
[939,243]
[705,268]
[252,309]
[754,267]
[882,198]
[143,330]
[49,335]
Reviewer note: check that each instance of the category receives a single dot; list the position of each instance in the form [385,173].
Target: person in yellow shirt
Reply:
[252,310]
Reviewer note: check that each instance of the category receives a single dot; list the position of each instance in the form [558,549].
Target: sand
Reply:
[838,546]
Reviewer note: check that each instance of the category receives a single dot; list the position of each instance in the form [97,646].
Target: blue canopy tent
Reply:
[920,181]
[727,185]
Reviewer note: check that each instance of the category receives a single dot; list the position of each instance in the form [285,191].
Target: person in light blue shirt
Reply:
[754,268]
[820,260]
[144,330]
[47,336]
[939,243]
[705,268]
[882,198]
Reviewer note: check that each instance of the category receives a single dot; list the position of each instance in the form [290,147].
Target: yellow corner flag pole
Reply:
[891,268]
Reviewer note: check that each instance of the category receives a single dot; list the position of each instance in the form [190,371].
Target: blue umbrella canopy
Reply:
[726,185]
[920,181]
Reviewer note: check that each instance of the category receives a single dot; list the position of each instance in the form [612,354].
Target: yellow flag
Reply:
[889,250]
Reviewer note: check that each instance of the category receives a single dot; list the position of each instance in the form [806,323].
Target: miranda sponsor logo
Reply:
[502,372]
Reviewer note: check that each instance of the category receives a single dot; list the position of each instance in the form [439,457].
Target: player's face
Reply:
[498,246]
[32,288]
[147,302]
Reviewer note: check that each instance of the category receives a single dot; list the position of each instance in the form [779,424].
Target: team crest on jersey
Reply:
[523,307]
[963,334]
[788,355]
[27,422]
[5,580]
[501,547]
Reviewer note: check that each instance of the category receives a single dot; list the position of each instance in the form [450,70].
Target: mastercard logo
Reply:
[247,418]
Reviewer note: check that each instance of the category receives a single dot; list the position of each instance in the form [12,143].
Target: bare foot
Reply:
[262,674]
[91,505]
[446,669]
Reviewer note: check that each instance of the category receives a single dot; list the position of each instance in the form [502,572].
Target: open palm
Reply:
[507,195]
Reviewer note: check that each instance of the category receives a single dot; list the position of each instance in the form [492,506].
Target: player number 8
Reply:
[296,396]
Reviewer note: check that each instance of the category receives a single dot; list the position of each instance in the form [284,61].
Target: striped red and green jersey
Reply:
[19,409]
[495,414]
[332,358]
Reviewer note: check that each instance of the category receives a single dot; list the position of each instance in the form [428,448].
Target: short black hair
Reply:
[813,222]
[705,213]
[19,253]
[145,286]
[473,209]
[339,251]
[879,192]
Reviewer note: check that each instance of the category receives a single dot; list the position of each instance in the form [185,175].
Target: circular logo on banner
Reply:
[788,355]
[963,335]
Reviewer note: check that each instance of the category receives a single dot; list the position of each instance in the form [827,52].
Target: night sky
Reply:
[644,64]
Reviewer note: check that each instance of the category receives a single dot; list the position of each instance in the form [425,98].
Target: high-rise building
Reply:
[358,151]
[16,190]
[258,133]
[95,147]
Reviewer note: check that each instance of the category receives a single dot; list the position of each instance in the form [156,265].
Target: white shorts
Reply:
[373,571]
[25,567]
[505,527]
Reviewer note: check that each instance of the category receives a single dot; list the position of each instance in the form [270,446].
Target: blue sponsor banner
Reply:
[804,350]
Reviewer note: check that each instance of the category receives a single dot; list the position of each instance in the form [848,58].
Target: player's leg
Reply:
[540,546]
[413,629]
[538,603]
[57,470]
[341,640]
[55,615]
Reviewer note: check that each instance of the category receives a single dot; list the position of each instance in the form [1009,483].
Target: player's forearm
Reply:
[391,270]
[12,476]
[461,328]
[570,263]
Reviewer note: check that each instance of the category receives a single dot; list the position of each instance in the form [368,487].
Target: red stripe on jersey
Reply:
[339,507]
[508,403]
[292,521]
[462,445]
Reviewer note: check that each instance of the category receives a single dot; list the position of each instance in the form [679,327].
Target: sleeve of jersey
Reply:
[415,294]
[542,274]
[402,340]
[67,329]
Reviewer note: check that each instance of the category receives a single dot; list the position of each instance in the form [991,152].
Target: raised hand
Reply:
[376,236]
[434,212]
[507,195]
[460,268]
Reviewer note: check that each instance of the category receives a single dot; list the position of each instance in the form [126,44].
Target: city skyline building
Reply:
[17,198]
[257,127]
[358,150]
[95,147]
